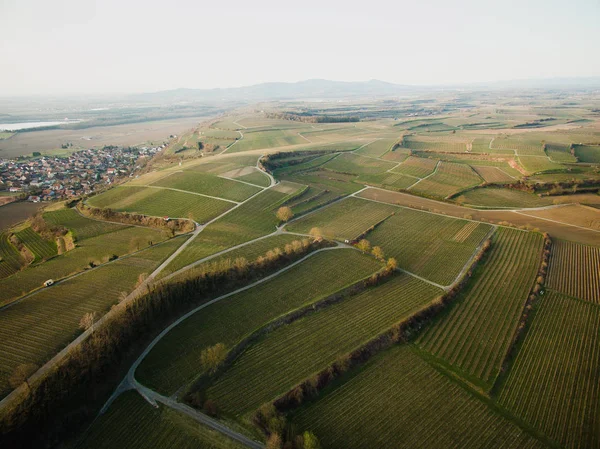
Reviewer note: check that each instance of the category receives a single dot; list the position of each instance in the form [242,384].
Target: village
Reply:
[48,178]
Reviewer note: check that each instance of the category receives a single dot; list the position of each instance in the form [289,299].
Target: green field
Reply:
[159,202]
[293,352]
[588,153]
[496,197]
[416,166]
[208,185]
[560,153]
[357,165]
[249,221]
[377,148]
[399,401]
[474,336]
[133,423]
[344,220]
[94,249]
[268,138]
[41,249]
[10,259]
[257,177]
[175,360]
[388,180]
[417,143]
[36,328]
[537,164]
[448,179]
[81,227]
[554,382]
[432,246]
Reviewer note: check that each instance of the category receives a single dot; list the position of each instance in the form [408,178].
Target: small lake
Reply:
[29,125]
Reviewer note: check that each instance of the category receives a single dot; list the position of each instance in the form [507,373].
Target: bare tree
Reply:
[87,321]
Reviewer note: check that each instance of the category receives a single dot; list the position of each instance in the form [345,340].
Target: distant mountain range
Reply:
[326,89]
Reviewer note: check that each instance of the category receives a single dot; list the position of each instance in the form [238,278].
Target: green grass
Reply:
[81,227]
[388,180]
[36,328]
[133,423]
[94,249]
[493,174]
[559,153]
[497,197]
[175,360]
[269,138]
[554,382]
[10,259]
[159,202]
[419,144]
[249,221]
[208,185]
[416,166]
[588,153]
[448,179]
[537,164]
[345,219]
[432,246]
[474,336]
[257,177]
[293,352]
[355,164]
[400,401]
[40,248]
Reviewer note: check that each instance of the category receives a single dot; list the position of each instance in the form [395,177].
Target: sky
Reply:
[103,47]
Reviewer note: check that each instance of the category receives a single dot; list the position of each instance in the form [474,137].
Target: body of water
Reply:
[28,125]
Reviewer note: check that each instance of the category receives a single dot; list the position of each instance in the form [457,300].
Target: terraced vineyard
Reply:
[399,401]
[262,139]
[574,270]
[160,202]
[208,185]
[536,164]
[449,178]
[41,249]
[495,197]
[554,382]
[10,259]
[389,180]
[293,352]
[493,174]
[95,250]
[416,166]
[475,335]
[345,219]
[81,227]
[377,148]
[432,246]
[33,330]
[133,423]
[175,360]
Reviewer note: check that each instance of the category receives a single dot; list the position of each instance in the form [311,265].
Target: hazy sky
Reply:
[84,46]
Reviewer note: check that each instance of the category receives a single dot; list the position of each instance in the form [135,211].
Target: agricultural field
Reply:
[553,383]
[95,250]
[357,165]
[495,197]
[377,148]
[293,352]
[36,328]
[257,178]
[420,144]
[560,153]
[493,174]
[388,180]
[267,138]
[574,214]
[475,335]
[537,164]
[432,246]
[398,400]
[448,179]
[574,270]
[10,258]
[416,166]
[208,185]
[160,202]
[81,227]
[588,153]
[344,220]
[175,360]
[40,248]
[133,423]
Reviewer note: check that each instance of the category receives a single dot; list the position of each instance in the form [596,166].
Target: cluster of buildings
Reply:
[48,178]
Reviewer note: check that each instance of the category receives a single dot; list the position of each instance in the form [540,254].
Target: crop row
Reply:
[36,328]
[425,244]
[574,270]
[476,334]
[41,249]
[449,178]
[493,174]
[293,352]
[10,259]
[82,227]
[344,220]
[400,401]
[175,360]
[416,166]
[377,148]
[355,164]
[554,383]
[415,144]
